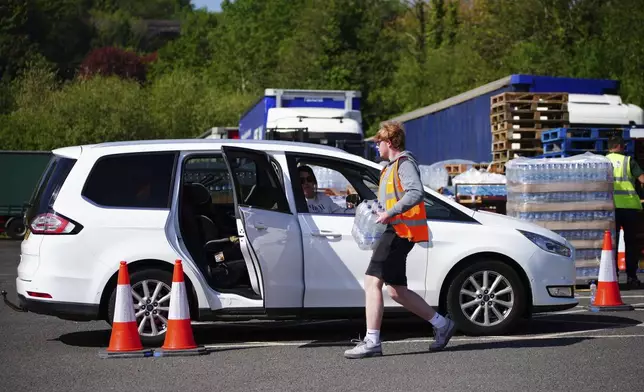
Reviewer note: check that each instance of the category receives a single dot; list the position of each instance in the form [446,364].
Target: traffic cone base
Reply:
[607,296]
[608,293]
[179,339]
[125,341]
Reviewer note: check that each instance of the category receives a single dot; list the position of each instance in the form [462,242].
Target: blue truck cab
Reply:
[330,117]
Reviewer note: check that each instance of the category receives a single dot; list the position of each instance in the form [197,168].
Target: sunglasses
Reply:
[306,179]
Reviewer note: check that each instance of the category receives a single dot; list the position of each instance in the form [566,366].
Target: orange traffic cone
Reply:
[607,297]
[178,337]
[621,251]
[125,340]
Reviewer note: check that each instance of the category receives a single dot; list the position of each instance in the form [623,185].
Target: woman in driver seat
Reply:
[318,202]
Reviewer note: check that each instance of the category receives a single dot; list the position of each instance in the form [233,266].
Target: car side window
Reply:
[257,184]
[132,181]
[435,211]
[364,181]
[335,179]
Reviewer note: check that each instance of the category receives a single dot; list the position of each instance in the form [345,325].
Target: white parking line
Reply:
[560,335]
[542,315]
[554,320]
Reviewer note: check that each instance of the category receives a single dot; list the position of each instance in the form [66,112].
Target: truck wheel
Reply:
[16,229]
[486,298]
[151,290]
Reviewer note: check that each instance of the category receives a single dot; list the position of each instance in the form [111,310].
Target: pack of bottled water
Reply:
[366,231]
[480,183]
[434,176]
[572,196]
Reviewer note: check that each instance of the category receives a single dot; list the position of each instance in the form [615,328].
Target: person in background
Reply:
[401,192]
[318,202]
[626,173]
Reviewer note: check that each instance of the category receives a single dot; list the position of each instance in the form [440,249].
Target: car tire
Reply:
[150,277]
[16,229]
[501,317]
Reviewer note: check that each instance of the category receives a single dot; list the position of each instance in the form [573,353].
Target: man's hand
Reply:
[383,218]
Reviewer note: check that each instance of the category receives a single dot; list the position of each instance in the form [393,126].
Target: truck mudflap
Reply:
[12,306]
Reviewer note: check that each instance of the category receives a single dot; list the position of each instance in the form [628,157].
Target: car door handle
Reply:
[259,226]
[326,233]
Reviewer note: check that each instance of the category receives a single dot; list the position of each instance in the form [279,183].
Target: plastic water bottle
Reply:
[360,224]
[376,228]
[593,291]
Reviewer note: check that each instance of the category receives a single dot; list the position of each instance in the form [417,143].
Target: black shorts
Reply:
[389,259]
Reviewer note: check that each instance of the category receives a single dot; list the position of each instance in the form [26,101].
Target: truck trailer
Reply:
[21,171]
[329,117]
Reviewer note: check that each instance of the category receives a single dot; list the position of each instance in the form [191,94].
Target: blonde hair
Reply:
[393,132]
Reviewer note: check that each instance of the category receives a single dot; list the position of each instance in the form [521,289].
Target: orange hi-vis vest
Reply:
[411,224]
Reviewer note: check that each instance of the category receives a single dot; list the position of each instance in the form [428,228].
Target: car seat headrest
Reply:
[197,193]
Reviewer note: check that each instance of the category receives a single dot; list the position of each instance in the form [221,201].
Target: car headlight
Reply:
[547,244]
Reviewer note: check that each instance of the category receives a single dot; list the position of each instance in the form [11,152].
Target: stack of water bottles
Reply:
[434,176]
[329,179]
[333,182]
[571,196]
[366,231]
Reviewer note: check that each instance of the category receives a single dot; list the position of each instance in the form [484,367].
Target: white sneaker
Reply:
[364,349]
[443,335]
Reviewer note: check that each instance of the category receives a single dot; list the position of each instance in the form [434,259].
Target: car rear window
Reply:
[132,180]
[51,181]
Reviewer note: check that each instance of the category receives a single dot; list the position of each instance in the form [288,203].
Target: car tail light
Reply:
[50,223]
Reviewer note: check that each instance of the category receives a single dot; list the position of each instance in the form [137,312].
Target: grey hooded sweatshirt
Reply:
[409,174]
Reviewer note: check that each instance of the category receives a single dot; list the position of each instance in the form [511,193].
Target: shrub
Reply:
[111,61]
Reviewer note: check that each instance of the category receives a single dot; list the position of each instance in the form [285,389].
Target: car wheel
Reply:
[486,298]
[151,290]
[16,229]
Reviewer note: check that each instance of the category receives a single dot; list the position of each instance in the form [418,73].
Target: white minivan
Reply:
[235,213]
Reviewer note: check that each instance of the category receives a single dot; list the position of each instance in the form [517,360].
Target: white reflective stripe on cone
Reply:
[622,246]
[124,308]
[607,267]
[178,302]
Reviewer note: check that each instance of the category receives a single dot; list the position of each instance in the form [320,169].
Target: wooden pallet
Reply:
[532,97]
[497,167]
[528,124]
[511,106]
[504,156]
[520,144]
[455,169]
[516,134]
[527,116]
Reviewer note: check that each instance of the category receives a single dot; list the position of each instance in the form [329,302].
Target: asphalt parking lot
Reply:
[566,351]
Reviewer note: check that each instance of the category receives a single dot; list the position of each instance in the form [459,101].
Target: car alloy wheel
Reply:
[486,298]
[151,300]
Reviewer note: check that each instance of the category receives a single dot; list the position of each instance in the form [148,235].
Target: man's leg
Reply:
[374,305]
[629,223]
[395,276]
[411,301]
[619,222]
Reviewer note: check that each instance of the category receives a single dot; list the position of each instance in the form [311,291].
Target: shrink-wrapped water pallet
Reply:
[571,196]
